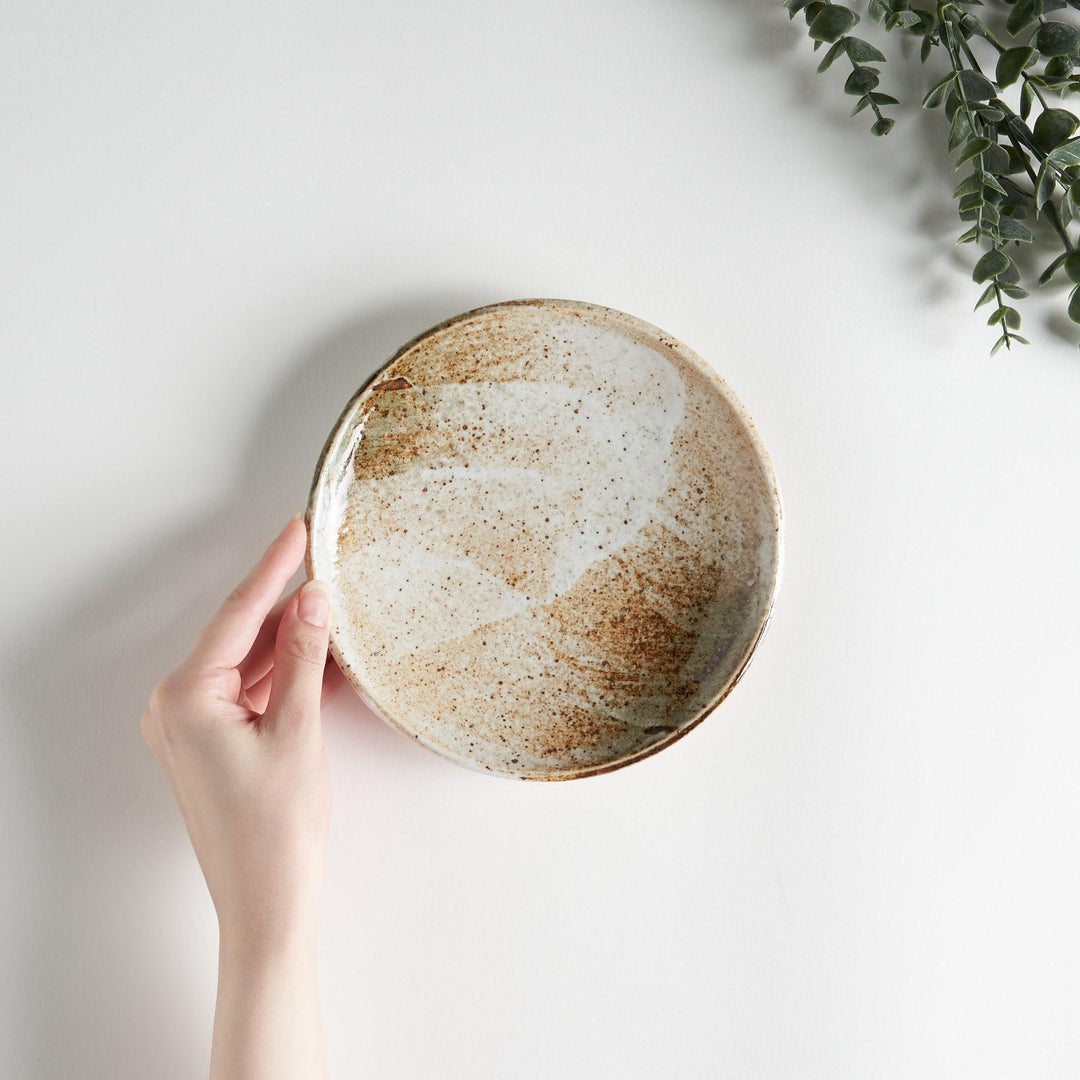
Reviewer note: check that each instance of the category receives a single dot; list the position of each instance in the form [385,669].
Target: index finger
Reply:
[229,635]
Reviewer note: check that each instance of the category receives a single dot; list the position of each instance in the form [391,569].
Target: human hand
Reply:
[237,729]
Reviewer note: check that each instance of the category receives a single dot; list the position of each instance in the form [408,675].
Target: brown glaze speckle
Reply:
[552,538]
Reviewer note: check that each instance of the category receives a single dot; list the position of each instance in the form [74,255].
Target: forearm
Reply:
[267,1023]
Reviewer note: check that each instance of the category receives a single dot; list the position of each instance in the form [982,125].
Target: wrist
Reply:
[266,1023]
[257,937]
[269,911]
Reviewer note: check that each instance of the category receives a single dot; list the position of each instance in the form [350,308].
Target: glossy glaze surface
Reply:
[552,538]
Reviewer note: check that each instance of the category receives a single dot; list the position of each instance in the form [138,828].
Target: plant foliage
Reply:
[1020,157]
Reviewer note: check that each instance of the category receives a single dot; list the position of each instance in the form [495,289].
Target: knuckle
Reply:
[161,695]
[306,649]
[158,728]
[239,599]
[147,725]
[169,691]
[171,700]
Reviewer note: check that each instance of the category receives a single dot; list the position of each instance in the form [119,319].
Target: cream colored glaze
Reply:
[552,539]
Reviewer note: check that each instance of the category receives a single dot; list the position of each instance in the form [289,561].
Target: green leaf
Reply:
[1011,229]
[861,104]
[972,24]
[1015,292]
[1008,340]
[970,202]
[882,99]
[1017,161]
[1068,208]
[832,22]
[991,265]
[861,81]
[924,51]
[1044,186]
[991,181]
[996,159]
[975,146]
[989,293]
[1053,268]
[1012,62]
[878,10]
[1074,304]
[1071,262]
[1058,69]
[1027,98]
[862,52]
[990,113]
[1058,39]
[794,7]
[1018,128]
[976,87]
[882,126]
[1008,315]
[1011,276]
[830,56]
[968,186]
[968,237]
[904,19]
[937,93]
[1053,127]
[1066,154]
[1024,13]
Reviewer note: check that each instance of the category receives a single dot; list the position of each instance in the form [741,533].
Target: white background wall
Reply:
[216,220]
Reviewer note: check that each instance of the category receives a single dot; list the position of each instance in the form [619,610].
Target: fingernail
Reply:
[314,604]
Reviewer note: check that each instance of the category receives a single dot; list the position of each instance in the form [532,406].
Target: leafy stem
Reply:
[830,23]
[972,118]
[968,23]
[1038,56]
[966,88]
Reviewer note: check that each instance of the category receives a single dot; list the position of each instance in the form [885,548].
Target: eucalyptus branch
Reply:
[987,133]
[968,86]
[829,23]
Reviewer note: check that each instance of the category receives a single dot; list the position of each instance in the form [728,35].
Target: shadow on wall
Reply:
[907,177]
[100,999]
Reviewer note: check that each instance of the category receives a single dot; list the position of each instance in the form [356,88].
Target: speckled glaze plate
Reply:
[552,538]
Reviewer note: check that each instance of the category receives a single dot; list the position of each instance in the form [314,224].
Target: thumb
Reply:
[299,660]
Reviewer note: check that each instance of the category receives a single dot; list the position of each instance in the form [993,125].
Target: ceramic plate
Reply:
[552,538]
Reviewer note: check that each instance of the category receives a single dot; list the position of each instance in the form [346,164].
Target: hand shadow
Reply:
[104,990]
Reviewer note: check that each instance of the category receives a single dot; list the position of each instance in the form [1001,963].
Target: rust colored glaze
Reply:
[393,384]
[552,537]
